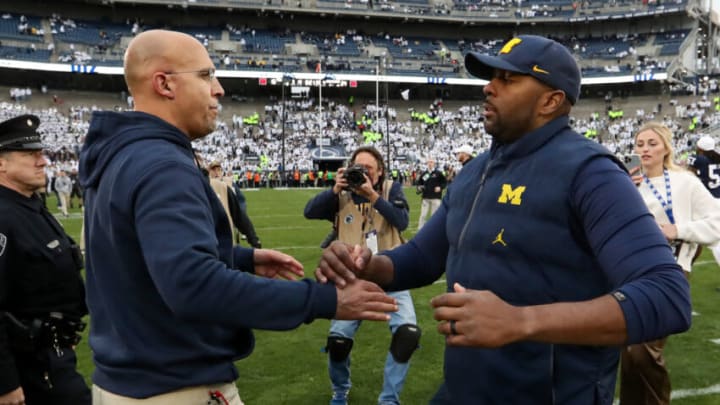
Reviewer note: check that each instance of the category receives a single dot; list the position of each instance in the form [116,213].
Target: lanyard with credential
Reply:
[667,205]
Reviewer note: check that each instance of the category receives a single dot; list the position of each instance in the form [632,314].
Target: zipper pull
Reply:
[56,344]
[46,377]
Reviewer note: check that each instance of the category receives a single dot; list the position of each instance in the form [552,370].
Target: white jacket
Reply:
[63,184]
[696,212]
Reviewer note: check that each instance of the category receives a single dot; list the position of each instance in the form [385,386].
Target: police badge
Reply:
[3,242]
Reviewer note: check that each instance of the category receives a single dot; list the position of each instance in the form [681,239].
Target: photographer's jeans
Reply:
[394,375]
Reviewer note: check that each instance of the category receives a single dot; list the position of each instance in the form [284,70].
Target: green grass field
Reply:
[290,368]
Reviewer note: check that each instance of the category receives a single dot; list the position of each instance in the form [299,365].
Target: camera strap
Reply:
[368,214]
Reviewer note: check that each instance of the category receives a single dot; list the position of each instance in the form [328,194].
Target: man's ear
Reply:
[3,162]
[552,101]
[162,85]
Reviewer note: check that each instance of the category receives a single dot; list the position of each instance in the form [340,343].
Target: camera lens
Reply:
[355,176]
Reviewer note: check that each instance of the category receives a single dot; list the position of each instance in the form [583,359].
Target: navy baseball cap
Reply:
[20,133]
[540,57]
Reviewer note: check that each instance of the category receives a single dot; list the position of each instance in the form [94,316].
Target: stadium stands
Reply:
[255,47]
[19,27]
[24,53]
[256,145]
[264,41]
[91,33]
[609,38]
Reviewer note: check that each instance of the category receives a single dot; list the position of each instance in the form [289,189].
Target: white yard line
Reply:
[74,215]
[276,228]
[690,392]
[255,216]
[695,392]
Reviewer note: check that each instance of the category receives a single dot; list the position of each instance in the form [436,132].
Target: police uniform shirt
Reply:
[38,271]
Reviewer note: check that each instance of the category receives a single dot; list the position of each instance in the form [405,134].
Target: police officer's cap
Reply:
[20,133]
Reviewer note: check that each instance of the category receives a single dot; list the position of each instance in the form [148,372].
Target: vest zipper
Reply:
[46,379]
[477,196]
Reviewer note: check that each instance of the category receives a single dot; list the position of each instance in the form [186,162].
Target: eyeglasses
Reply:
[207,74]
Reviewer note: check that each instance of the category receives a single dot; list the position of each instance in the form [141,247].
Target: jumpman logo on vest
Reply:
[499,238]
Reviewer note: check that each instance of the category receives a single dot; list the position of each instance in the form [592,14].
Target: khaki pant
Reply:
[644,379]
[64,202]
[427,205]
[187,396]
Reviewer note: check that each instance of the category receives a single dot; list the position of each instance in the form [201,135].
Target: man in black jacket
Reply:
[431,183]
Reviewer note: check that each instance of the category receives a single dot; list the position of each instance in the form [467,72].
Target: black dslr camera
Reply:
[355,176]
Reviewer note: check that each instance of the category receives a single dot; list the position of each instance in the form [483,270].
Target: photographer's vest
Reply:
[221,189]
[355,221]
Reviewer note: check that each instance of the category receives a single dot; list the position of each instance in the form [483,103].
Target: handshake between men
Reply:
[467,317]
[361,300]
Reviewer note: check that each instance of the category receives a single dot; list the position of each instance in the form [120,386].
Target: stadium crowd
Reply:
[251,146]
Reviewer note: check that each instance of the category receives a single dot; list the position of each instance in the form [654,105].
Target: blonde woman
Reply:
[688,216]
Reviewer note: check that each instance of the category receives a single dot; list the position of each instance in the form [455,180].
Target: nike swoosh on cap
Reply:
[536,69]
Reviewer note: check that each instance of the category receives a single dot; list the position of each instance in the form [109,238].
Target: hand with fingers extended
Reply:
[477,318]
[342,263]
[274,264]
[363,300]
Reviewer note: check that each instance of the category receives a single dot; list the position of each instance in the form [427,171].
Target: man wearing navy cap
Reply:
[42,298]
[551,258]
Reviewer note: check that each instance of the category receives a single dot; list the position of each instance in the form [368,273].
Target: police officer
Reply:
[42,297]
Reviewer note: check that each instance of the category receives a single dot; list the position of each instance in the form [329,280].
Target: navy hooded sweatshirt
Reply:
[171,301]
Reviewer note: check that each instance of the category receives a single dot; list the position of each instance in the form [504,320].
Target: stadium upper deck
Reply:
[637,41]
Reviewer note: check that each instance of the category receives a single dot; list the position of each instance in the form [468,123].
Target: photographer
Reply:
[369,211]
